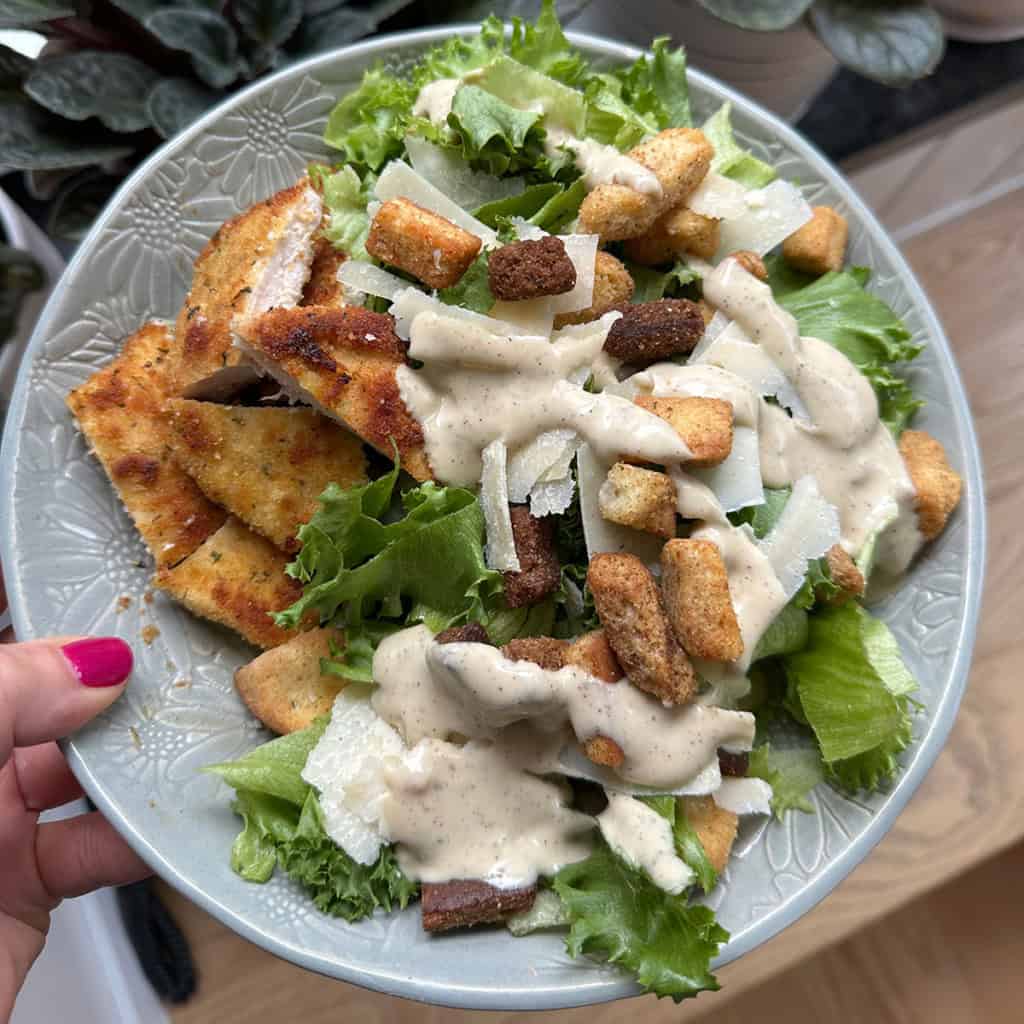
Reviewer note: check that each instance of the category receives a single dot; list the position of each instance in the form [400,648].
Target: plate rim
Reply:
[945,710]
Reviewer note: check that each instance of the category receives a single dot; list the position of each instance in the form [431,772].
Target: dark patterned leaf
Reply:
[891,42]
[175,103]
[78,204]
[333,28]
[33,139]
[19,275]
[761,16]
[13,68]
[94,83]
[15,13]
[205,35]
[269,22]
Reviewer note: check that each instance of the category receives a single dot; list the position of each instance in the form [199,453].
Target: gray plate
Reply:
[69,552]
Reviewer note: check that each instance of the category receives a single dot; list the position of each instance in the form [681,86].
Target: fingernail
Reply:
[99,661]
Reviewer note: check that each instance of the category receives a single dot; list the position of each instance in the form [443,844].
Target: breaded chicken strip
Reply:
[119,411]
[257,260]
[267,465]
[342,362]
[323,287]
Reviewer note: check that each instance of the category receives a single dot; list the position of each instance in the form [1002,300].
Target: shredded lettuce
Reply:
[730,158]
[282,826]
[792,772]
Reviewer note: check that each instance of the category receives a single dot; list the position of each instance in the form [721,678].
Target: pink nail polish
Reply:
[99,661]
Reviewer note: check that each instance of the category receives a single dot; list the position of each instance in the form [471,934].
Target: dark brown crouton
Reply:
[735,765]
[632,613]
[546,651]
[539,572]
[465,902]
[531,269]
[649,331]
[470,633]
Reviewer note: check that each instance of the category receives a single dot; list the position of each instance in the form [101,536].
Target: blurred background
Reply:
[922,104]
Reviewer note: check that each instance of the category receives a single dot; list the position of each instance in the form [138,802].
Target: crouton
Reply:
[696,589]
[323,287]
[615,212]
[266,465]
[845,575]
[531,269]
[255,261]
[235,578]
[592,653]
[679,157]
[715,828]
[733,765]
[604,751]
[937,484]
[284,687]
[613,287]
[820,245]
[649,331]
[705,424]
[464,903]
[640,498]
[470,633]
[343,361]
[422,243]
[751,263]
[672,235]
[119,411]
[546,651]
[539,572]
[632,614]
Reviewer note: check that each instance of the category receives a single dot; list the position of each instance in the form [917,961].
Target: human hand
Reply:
[48,689]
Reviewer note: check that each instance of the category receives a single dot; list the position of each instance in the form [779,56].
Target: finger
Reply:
[77,855]
[49,688]
[44,778]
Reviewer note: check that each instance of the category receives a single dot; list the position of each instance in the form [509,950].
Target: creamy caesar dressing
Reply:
[476,387]
[701,380]
[643,838]
[600,164]
[434,100]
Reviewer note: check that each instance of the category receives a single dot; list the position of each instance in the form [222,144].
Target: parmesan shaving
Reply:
[501,543]
[454,177]
[744,796]
[772,214]
[531,462]
[367,279]
[736,482]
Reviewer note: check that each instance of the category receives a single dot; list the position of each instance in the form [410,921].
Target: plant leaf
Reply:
[94,83]
[17,13]
[175,103]
[205,35]
[33,139]
[14,67]
[19,275]
[78,203]
[893,43]
[333,28]
[763,16]
[269,22]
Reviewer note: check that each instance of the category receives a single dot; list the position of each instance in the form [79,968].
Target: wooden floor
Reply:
[881,948]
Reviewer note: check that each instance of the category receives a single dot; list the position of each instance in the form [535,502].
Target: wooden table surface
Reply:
[970,807]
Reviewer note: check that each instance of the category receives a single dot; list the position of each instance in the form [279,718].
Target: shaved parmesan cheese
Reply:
[347,768]
[534,316]
[726,683]
[807,528]
[527,465]
[574,763]
[718,323]
[719,197]
[643,839]
[744,796]
[736,482]
[552,497]
[772,214]
[399,181]
[600,534]
[582,250]
[694,499]
[409,303]
[357,276]
[527,232]
[501,542]
[451,175]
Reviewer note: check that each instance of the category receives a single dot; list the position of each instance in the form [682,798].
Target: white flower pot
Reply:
[982,21]
[783,71]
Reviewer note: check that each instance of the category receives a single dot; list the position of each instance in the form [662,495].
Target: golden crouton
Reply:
[236,578]
[604,751]
[696,589]
[343,361]
[119,411]
[615,212]
[267,465]
[640,498]
[938,486]
[546,651]
[820,245]
[751,263]
[284,687]
[845,575]
[237,275]
[323,287]
[422,243]
[705,424]
[632,614]
[592,653]
[679,157]
[672,235]
[613,287]
[715,828]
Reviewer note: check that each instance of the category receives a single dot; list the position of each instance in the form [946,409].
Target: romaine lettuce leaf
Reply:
[786,634]
[792,772]
[346,198]
[730,158]
[611,119]
[689,848]
[493,133]
[473,290]
[525,205]
[616,912]
[561,209]
[656,87]
[543,47]
[650,284]
[455,56]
